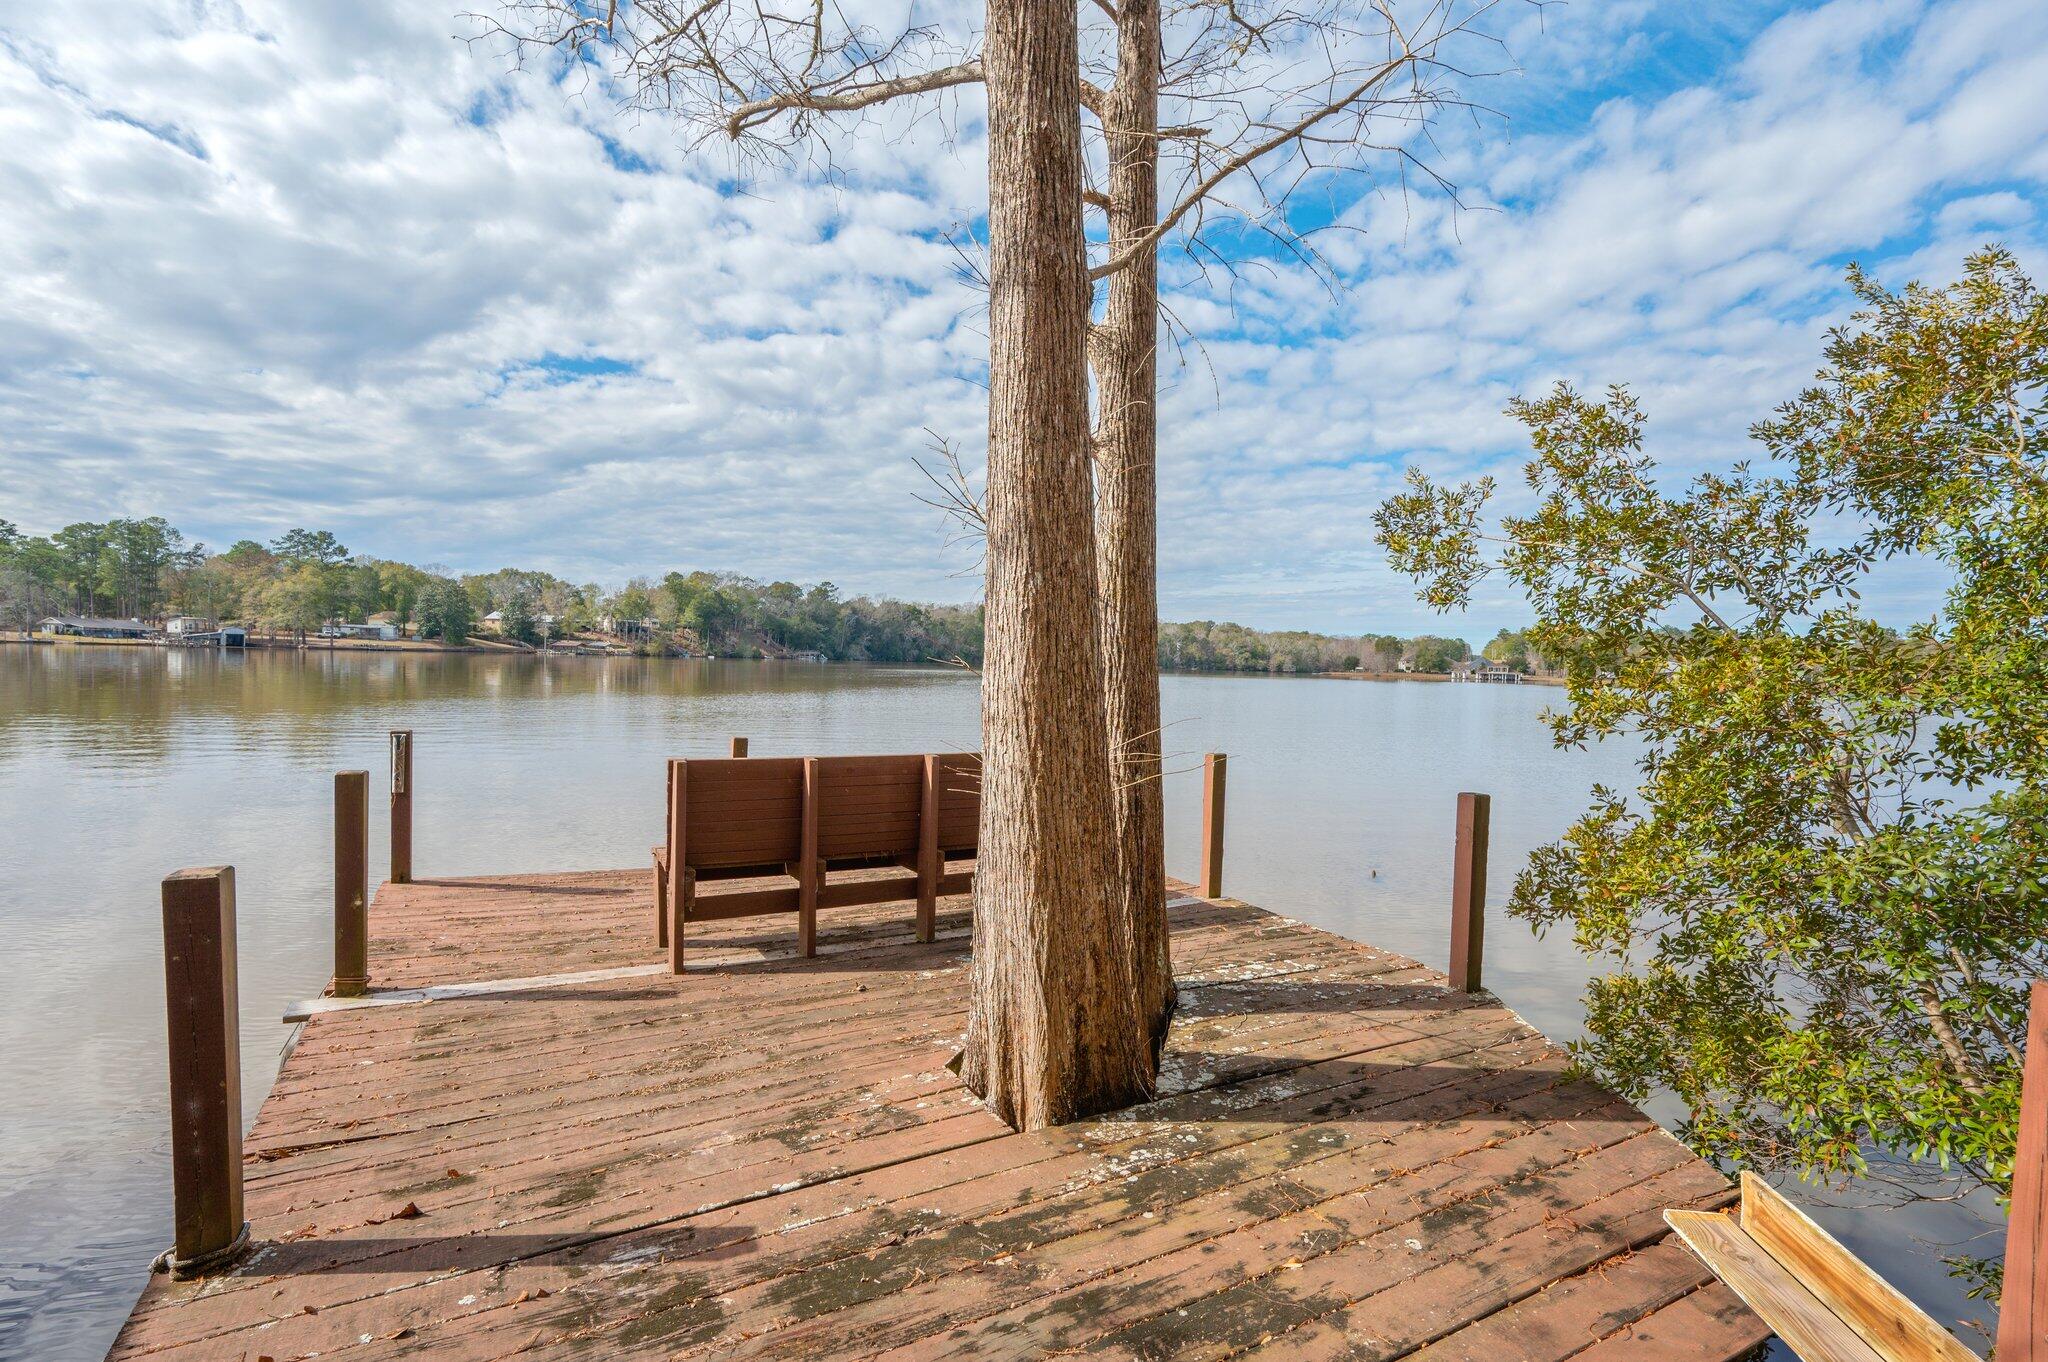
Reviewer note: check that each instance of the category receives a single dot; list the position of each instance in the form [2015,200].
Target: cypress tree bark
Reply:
[1053,1027]
[1124,351]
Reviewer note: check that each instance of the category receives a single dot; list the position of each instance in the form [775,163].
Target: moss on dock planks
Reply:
[769,1158]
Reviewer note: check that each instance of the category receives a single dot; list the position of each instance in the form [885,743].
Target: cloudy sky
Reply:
[273,264]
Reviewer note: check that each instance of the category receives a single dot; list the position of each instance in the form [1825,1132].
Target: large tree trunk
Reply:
[1125,353]
[1053,1031]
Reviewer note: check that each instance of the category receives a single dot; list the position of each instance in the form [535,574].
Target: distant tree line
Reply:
[1209,646]
[304,579]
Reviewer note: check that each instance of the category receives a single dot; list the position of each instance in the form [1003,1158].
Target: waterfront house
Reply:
[180,626]
[87,626]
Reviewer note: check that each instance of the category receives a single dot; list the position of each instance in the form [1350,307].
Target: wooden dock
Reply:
[768,1157]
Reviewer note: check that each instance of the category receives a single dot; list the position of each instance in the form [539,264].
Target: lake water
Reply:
[118,765]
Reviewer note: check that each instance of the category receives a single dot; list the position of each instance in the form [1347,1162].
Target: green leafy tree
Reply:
[398,589]
[302,600]
[1821,908]
[516,618]
[1510,649]
[210,588]
[23,600]
[636,602]
[252,568]
[1434,655]
[146,554]
[446,612]
[80,550]
[301,547]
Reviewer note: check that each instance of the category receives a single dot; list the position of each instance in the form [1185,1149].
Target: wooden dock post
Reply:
[351,883]
[1468,892]
[929,863]
[202,1003]
[401,806]
[810,871]
[676,890]
[1213,771]
[2023,1310]
[739,747]
[664,862]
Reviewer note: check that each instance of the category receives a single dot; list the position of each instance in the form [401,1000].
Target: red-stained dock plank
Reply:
[768,1157]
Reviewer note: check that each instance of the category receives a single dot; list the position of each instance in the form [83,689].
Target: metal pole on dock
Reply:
[1468,892]
[351,883]
[1214,768]
[401,806]
[739,747]
[203,1007]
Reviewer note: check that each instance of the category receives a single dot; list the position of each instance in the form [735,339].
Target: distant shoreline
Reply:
[1432,676]
[266,645]
[512,650]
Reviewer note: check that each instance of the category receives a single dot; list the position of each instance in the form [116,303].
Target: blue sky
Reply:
[267,265]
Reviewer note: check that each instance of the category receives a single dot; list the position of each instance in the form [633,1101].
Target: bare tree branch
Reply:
[1240,161]
[857,97]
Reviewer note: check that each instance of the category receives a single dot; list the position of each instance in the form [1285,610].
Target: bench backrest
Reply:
[959,778]
[742,811]
[868,807]
[749,811]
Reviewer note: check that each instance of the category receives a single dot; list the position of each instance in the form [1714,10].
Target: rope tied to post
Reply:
[204,1264]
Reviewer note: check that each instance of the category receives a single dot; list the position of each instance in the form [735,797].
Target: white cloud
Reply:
[281,264]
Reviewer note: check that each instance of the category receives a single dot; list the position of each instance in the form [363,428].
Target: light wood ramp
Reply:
[1817,1296]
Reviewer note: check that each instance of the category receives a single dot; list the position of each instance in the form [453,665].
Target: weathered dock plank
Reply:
[768,1158]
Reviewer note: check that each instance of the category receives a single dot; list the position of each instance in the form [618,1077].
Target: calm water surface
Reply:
[118,765]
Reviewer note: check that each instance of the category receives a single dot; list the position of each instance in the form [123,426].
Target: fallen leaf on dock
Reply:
[409,1211]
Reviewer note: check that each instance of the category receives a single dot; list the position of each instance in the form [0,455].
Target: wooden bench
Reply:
[799,820]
